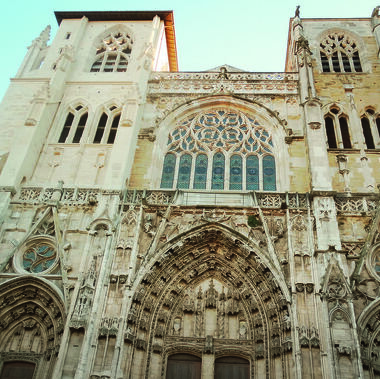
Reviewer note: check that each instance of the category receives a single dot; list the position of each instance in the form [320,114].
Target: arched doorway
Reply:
[17,370]
[183,366]
[231,368]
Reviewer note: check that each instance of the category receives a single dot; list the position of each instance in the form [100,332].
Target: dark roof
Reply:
[166,16]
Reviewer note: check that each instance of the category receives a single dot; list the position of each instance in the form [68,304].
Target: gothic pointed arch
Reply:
[204,292]
[369,337]
[33,316]
[112,50]
[341,51]
[204,140]
[72,121]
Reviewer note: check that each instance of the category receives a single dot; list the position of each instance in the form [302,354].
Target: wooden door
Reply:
[183,366]
[231,368]
[18,370]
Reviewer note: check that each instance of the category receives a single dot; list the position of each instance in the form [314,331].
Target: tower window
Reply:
[112,54]
[219,149]
[107,126]
[339,53]
[371,128]
[367,133]
[74,125]
[337,130]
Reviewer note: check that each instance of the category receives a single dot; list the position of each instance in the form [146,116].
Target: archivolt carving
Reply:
[32,317]
[208,288]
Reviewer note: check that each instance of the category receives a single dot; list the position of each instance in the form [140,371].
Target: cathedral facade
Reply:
[167,224]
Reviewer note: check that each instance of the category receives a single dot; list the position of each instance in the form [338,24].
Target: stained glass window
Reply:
[218,172]
[236,172]
[168,171]
[228,138]
[200,172]
[252,173]
[269,174]
[38,258]
[184,171]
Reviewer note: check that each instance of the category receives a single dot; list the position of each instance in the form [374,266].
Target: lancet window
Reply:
[337,130]
[112,55]
[371,128]
[74,125]
[108,124]
[339,53]
[219,150]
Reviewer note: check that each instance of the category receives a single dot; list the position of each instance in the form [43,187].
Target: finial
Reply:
[297,13]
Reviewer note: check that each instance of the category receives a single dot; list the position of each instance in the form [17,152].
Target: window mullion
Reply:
[338,132]
[330,63]
[351,63]
[117,62]
[209,170]
[192,171]
[176,171]
[244,173]
[73,128]
[340,60]
[107,127]
[105,57]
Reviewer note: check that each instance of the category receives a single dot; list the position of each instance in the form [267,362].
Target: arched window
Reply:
[74,125]
[235,144]
[339,53]
[112,55]
[218,172]
[107,126]
[168,171]
[184,171]
[252,172]
[200,172]
[231,368]
[269,173]
[370,121]
[183,366]
[337,130]
[236,172]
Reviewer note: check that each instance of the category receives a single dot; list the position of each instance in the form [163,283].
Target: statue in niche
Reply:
[211,296]
[177,325]
[148,225]
[243,330]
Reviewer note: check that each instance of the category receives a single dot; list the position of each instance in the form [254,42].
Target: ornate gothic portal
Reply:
[210,294]
[31,326]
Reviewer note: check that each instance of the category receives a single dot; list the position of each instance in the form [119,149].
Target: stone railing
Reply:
[229,76]
[270,200]
[355,204]
[70,196]
[212,82]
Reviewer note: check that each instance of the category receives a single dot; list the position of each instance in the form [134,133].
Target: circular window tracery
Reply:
[37,256]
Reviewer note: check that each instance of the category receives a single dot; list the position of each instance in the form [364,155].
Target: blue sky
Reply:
[247,34]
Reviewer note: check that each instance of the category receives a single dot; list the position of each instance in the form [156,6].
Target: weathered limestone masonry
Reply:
[165,224]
